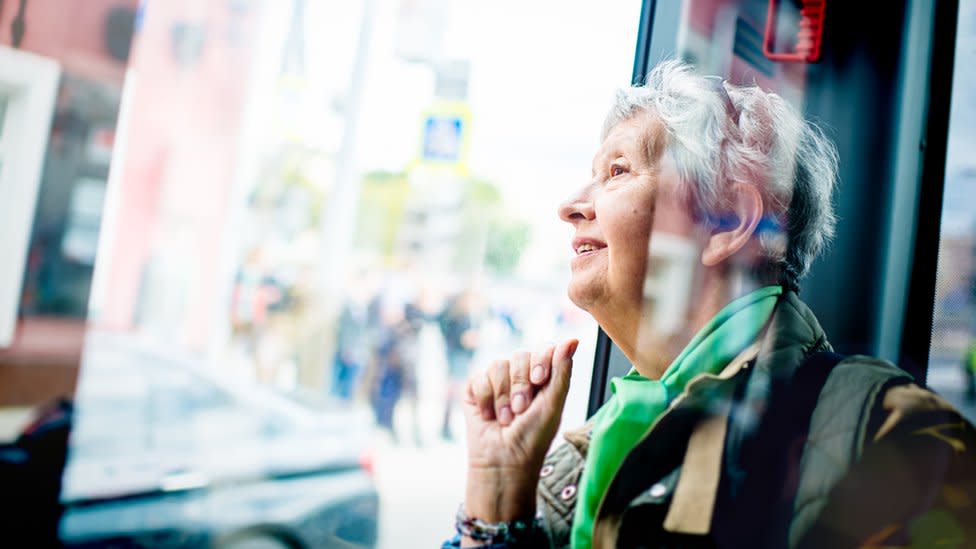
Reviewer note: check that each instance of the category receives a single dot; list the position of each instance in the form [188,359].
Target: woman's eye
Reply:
[616,170]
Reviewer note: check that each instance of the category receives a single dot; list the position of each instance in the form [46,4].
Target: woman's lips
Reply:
[585,249]
[584,246]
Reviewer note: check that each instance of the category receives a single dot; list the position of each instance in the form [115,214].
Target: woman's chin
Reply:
[583,296]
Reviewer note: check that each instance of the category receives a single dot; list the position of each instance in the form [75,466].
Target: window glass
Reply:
[864,92]
[62,66]
[952,366]
[4,100]
[722,38]
[320,216]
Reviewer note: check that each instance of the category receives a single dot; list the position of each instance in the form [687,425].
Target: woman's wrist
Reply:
[477,533]
[501,494]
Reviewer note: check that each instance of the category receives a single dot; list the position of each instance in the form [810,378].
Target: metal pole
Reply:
[343,200]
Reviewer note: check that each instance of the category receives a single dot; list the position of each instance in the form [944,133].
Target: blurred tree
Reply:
[486,234]
[294,184]
[381,206]
[505,243]
[503,237]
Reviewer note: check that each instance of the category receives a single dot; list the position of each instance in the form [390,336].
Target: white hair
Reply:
[717,134]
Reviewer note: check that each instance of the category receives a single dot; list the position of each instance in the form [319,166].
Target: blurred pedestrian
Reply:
[256,292]
[457,324]
[353,345]
[395,375]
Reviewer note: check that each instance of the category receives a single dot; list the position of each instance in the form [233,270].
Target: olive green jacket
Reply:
[739,459]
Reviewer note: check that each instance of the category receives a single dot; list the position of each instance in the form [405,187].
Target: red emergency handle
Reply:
[809,35]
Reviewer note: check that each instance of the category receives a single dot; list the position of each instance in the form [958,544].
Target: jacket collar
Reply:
[793,334]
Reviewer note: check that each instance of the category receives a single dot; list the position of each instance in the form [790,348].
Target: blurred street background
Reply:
[272,238]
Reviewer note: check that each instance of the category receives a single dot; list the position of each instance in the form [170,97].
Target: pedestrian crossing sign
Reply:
[444,138]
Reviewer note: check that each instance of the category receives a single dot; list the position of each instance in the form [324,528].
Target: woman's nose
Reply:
[577,207]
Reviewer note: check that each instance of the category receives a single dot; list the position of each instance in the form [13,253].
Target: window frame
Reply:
[916,328]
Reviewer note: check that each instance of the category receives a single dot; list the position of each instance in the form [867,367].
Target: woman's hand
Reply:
[512,411]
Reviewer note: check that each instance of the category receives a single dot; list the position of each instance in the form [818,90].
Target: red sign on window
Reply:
[808,32]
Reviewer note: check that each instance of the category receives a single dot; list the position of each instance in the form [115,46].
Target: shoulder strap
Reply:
[768,430]
[796,411]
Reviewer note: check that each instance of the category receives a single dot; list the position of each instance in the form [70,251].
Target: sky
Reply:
[543,74]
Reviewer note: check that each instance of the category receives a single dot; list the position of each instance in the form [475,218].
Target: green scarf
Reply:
[637,401]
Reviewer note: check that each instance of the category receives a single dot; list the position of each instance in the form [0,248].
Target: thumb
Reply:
[562,369]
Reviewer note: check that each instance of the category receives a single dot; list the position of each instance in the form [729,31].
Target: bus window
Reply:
[952,366]
[319,217]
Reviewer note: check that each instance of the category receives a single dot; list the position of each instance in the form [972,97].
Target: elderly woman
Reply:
[737,426]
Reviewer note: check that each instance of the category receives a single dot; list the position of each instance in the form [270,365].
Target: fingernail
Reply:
[505,415]
[518,403]
[538,374]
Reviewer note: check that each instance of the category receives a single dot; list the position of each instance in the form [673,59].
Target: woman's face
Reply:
[629,195]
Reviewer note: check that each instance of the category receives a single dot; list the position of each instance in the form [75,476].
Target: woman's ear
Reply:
[734,233]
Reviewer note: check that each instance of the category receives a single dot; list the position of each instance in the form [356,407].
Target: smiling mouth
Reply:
[586,249]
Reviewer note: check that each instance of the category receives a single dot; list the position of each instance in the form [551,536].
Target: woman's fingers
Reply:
[521,388]
[481,394]
[507,388]
[498,377]
[562,365]
[541,363]
[562,369]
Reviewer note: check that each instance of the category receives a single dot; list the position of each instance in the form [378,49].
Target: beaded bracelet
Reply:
[493,532]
